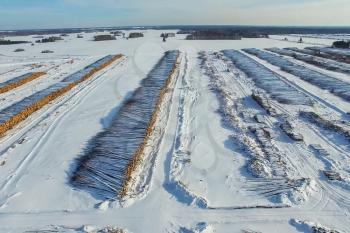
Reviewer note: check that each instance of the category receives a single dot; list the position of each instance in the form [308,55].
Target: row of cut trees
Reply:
[21,116]
[13,85]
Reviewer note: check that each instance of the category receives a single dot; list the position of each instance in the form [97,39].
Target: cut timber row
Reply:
[113,155]
[137,158]
[19,81]
[13,115]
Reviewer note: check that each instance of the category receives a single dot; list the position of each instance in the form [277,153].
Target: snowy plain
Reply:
[199,181]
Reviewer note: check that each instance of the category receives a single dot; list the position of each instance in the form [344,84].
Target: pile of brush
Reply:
[333,175]
[325,123]
[272,155]
[288,129]
[256,140]
[264,102]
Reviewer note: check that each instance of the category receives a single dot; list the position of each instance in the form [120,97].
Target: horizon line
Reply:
[177,25]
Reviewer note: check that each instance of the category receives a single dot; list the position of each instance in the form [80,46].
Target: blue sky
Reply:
[21,14]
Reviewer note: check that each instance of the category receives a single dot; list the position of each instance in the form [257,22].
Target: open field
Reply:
[249,135]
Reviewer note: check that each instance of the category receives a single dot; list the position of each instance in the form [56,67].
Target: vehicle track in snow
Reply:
[183,139]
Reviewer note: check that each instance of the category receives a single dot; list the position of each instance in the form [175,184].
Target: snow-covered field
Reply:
[240,143]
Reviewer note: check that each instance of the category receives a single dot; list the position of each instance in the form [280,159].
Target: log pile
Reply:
[112,156]
[137,158]
[58,90]
[12,84]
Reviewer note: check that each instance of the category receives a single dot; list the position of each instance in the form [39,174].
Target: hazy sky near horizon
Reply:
[22,14]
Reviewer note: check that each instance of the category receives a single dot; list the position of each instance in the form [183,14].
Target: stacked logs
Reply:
[27,79]
[110,160]
[24,114]
[137,158]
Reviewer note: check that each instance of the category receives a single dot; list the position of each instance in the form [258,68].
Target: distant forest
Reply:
[238,30]
[269,30]
[342,44]
[9,42]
